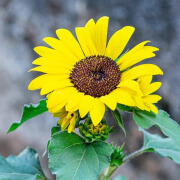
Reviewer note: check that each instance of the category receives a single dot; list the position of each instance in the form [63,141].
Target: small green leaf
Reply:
[24,166]
[166,147]
[162,120]
[121,177]
[30,111]
[71,158]
[55,129]
[117,117]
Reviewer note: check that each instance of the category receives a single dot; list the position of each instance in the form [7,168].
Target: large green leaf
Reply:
[121,177]
[117,117]
[71,158]
[162,120]
[25,166]
[30,111]
[166,147]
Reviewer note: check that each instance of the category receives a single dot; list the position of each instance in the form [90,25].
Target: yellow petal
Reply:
[60,114]
[130,84]
[145,81]
[152,107]
[70,42]
[141,70]
[59,96]
[86,42]
[40,81]
[56,108]
[110,101]
[123,97]
[129,60]
[65,123]
[90,27]
[132,51]
[51,69]
[52,62]
[60,121]
[72,124]
[151,88]
[45,51]
[101,34]
[52,85]
[74,101]
[152,98]
[60,47]
[91,30]
[54,55]
[39,61]
[139,102]
[97,112]
[146,108]
[118,42]
[85,105]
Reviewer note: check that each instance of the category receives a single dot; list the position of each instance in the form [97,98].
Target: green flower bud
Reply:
[117,156]
[94,133]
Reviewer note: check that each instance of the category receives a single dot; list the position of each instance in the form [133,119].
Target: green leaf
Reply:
[166,147]
[71,158]
[30,111]
[117,117]
[54,130]
[121,177]
[125,108]
[162,120]
[24,166]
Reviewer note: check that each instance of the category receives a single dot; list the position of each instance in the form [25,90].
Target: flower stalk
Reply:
[107,173]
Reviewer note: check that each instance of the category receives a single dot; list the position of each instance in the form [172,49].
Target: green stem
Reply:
[133,155]
[107,173]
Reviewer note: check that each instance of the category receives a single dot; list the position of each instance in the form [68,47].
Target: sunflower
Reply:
[87,75]
[147,88]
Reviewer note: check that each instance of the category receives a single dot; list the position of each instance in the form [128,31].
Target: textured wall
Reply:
[24,23]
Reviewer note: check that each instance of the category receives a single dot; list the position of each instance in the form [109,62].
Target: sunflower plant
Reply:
[82,79]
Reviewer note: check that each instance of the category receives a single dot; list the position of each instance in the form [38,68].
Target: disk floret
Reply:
[96,75]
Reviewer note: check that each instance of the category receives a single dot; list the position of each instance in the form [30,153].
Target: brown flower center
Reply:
[96,75]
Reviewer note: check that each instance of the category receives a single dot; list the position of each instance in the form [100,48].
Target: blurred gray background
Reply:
[23,25]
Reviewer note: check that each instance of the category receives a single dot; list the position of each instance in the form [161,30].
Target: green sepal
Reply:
[117,156]
[26,165]
[117,117]
[71,158]
[117,59]
[55,129]
[161,120]
[77,119]
[125,108]
[30,111]
[86,116]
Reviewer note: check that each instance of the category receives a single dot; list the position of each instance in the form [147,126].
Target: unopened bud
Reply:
[94,133]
